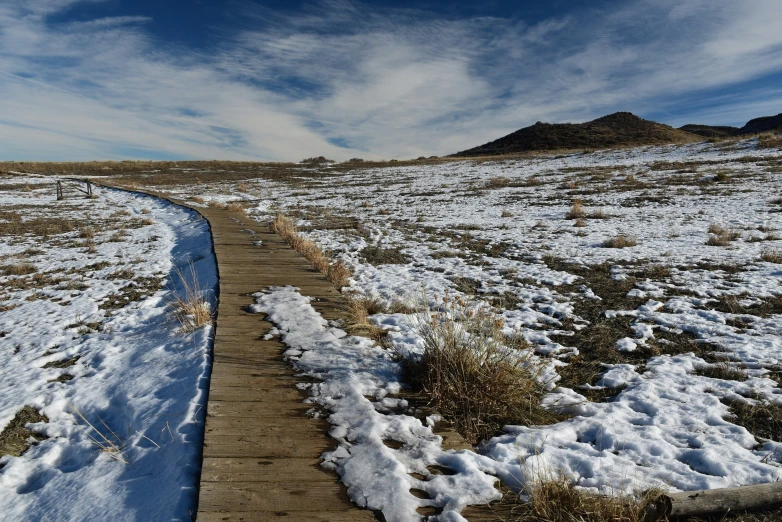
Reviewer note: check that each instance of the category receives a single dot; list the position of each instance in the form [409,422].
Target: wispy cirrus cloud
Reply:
[347,79]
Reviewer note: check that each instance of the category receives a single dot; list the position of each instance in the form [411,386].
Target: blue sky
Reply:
[283,80]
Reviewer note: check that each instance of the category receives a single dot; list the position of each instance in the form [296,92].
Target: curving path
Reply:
[261,455]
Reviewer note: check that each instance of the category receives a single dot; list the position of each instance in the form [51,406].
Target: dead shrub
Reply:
[620,241]
[576,210]
[507,214]
[473,377]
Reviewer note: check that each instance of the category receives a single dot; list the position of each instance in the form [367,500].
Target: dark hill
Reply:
[763,124]
[620,129]
[711,131]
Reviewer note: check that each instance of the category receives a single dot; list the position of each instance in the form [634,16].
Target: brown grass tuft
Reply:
[558,500]
[189,306]
[620,241]
[357,317]
[472,375]
[771,256]
[18,269]
[235,206]
[576,211]
[721,236]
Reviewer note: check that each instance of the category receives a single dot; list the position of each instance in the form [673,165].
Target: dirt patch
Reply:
[762,419]
[383,256]
[138,289]
[15,438]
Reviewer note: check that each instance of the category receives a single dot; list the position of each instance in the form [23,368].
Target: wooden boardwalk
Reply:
[261,455]
[261,452]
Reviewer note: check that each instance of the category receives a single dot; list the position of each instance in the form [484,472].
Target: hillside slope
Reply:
[762,124]
[615,130]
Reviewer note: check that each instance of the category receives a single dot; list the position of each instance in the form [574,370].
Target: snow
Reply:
[667,426]
[136,375]
[354,371]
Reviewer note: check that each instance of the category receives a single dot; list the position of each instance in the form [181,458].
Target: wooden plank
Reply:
[270,496]
[265,470]
[353,515]
[254,409]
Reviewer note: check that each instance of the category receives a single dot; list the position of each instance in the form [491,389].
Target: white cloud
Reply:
[389,83]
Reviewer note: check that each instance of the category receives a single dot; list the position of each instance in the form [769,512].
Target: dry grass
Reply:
[337,273]
[235,206]
[357,314]
[620,241]
[580,222]
[497,182]
[198,200]
[576,210]
[109,443]
[507,214]
[15,438]
[38,226]
[18,269]
[558,500]
[474,377]
[771,256]
[721,236]
[189,306]
[87,233]
[383,256]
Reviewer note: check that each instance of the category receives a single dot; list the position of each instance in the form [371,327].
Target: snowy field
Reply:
[658,312]
[95,372]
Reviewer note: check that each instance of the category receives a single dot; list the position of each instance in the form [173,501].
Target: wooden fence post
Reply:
[59,190]
[89,189]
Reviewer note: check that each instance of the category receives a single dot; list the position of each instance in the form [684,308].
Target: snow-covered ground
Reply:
[87,340]
[697,327]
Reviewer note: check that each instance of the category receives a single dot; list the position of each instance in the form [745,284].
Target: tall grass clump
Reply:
[338,273]
[472,373]
[721,236]
[556,499]
[189,305]
[576,211]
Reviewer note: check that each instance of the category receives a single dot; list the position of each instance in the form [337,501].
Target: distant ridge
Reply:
[762,124]
[711,131]
[758,125]
[620,129]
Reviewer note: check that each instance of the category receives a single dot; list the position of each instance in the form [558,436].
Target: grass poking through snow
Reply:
[473,375]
